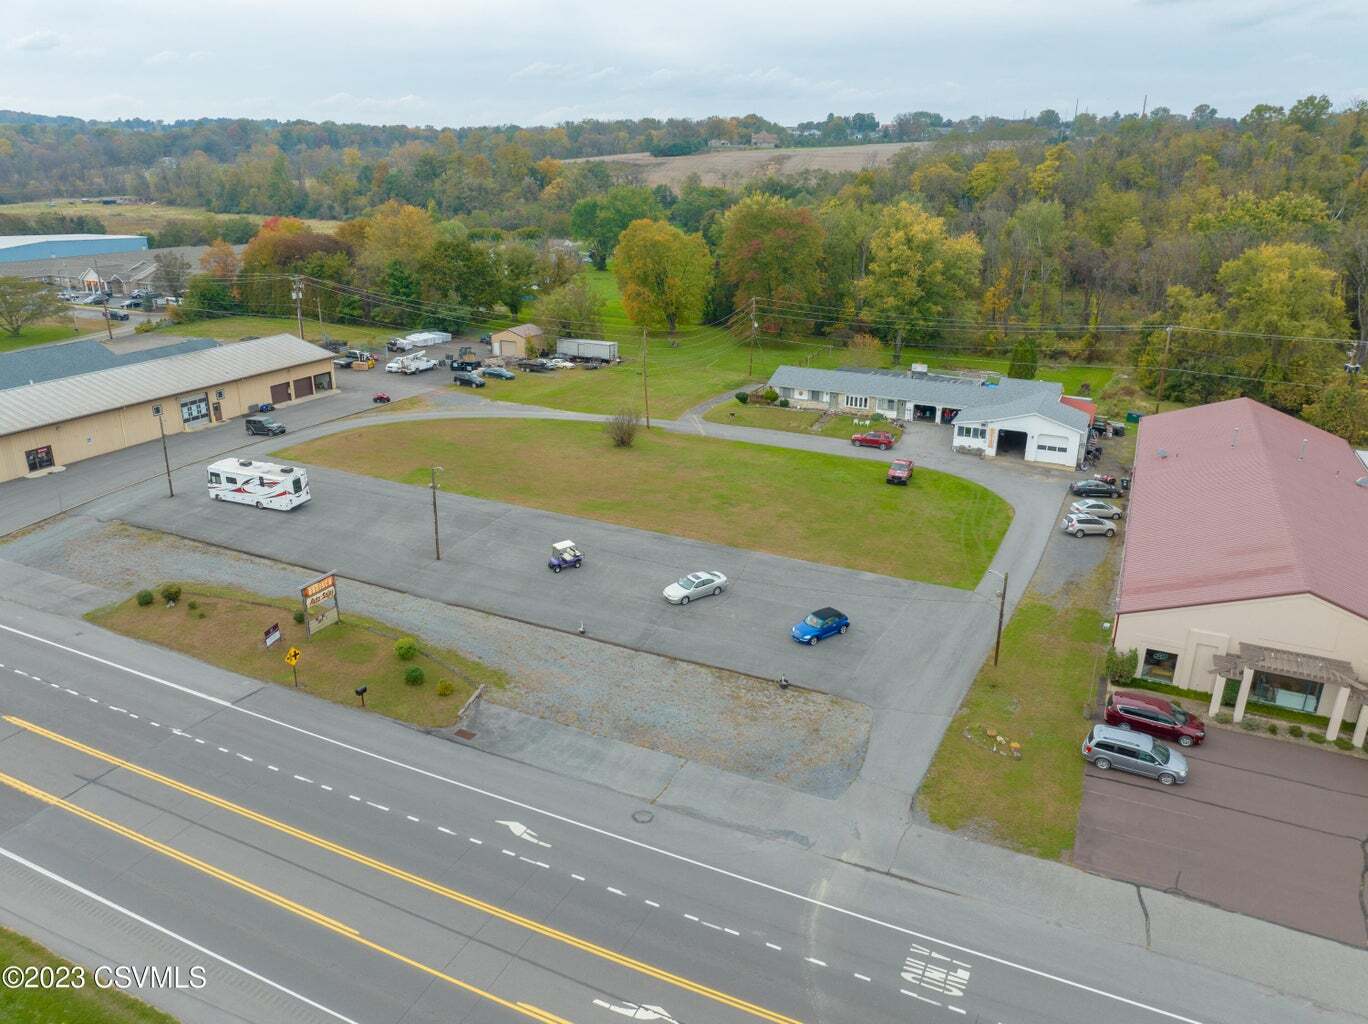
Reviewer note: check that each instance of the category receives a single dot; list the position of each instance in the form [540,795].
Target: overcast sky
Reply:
[538,62]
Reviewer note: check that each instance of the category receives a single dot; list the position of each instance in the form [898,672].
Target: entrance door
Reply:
[39,458]
[280,393]
[218,412]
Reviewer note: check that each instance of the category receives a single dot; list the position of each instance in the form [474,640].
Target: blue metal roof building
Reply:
[53,362]
[14,248]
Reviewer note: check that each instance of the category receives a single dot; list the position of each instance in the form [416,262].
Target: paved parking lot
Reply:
[1263,827]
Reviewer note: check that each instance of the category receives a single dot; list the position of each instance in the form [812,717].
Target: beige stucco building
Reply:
[514,342]
[57,422]
[1265,601]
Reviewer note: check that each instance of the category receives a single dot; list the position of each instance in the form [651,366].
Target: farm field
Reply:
[733,166]
[836,509]
[133,219]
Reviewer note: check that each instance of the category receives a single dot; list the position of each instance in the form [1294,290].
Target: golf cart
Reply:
[564,555]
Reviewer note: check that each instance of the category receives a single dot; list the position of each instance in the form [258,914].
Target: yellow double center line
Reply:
[423,883]
[346,931]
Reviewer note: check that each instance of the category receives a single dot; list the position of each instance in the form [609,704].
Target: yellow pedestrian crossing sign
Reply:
[292,656]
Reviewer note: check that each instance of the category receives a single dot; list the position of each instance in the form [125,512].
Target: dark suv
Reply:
[264,426]
[1095,489]
[1148,712]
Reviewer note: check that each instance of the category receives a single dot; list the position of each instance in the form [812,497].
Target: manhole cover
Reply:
[643,817]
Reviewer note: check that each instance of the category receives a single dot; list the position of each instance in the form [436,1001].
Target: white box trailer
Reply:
[263,484]
[587,348]
[425,338]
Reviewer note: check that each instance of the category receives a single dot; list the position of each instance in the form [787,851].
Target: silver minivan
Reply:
[1108,747]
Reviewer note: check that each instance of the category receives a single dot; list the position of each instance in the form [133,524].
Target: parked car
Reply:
[116,314]
[380,398]
[824,622]
[1094,489]
[486,338]
[468,379]
[1093,507]
[131,304]
[880,439]
[264,426]
[899,472]
[1107,748]
[560,364]
[697,584]
[1083,526]
[498,373]
[535,365]
[1148,712]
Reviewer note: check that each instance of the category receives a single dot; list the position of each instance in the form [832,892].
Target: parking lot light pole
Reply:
[1002,608]
[436,537]
[166,459]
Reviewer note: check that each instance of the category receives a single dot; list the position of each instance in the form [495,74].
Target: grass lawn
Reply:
[134,218]
[87,1005]
[235,328]
[819,507]
[797,421]
[41,333]
[1052,654]
[226,630]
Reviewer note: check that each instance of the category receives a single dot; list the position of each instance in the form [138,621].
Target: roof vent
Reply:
[287,469]
[1301,456]
[1235,438]
[244,462]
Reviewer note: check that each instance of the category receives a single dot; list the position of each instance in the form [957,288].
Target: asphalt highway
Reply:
[324,864]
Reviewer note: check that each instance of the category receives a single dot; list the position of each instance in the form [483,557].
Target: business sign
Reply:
[272,633]
[320,603]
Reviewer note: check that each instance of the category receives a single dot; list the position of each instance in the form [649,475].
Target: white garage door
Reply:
[1053,448]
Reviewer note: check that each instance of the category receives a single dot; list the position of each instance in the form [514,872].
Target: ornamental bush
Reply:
[145,598]
[413,675]
[445,689]
[171,593]
[743,397]
[406,648]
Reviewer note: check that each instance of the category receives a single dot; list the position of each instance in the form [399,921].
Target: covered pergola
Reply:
[1250,660]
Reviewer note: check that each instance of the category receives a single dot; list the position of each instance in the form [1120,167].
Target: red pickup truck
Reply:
[880,439]
[899,472]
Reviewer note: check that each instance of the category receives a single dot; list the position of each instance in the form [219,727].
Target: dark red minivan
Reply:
[1148,712]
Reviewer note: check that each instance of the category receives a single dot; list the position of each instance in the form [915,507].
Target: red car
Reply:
[880,439]
[1148,712]
[899,472]
[380,398]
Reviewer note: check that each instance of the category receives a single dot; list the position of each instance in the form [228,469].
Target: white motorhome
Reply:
[263,484]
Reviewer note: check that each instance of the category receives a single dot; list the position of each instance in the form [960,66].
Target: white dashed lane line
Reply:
[653,904]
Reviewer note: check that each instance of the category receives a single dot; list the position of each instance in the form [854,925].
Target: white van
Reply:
[263,484]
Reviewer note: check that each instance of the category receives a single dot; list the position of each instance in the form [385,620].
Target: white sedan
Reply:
[1093,507]
[696,584]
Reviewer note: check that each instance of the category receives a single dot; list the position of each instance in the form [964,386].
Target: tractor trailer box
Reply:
[584,348]
[423,339]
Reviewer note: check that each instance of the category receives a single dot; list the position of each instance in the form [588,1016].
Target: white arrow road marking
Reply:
[635,1012]
[523,832]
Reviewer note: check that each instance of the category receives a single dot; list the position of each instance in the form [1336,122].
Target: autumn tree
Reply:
[171,273]
[662,273]
[574,310]
[918,272]
[600,219]
[772,251]
[24,302]
[220,260]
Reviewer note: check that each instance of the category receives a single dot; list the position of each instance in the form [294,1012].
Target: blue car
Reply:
[823,622]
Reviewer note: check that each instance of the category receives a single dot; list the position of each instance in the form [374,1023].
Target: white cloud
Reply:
[541,69]
[346,105]
[41,40]
[164,58]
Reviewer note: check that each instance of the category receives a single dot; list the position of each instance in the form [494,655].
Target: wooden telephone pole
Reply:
[1163,367]
[645,388]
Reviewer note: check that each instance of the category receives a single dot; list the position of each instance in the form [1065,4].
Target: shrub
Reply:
[1121,666]
[783,403]
[1295,730]
[742,397]
[1316,737]
[623,427]
[445,689]
[1272,728]
[1249,725]
[1223,717]
[192,605]
[145,598]
[1344,743]
[146,327]
[201,615]
[771,395]
[299,616]
[406,648]
[413,675]
[171,593]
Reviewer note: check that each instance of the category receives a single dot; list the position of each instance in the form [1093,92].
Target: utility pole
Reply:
[436,537]
[645,390]
[897,348]
[297,293]
[170,490]
[104,306]
[1163,367]
[1352,369]
[320,316]
[750,368]
[1002,608]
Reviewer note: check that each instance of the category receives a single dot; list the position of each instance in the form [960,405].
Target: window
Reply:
[1158,665]
[215,478]
[888,405]
[817,396]
[1047,443]
[156,410]
[39,458]
[218,394]
[789,393]
[857,401]
[297,486]
[231,479]
[978,433]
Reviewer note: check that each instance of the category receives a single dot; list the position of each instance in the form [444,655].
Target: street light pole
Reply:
[436,537]
[1002,608]
[297,293]
[161,426]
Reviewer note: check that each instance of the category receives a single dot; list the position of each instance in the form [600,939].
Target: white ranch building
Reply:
[1024,418]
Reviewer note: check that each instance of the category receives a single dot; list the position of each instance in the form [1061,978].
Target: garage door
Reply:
[280,393]
[1052,448]
[303,387]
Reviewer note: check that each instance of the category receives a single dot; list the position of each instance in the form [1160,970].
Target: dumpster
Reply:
[1133,416]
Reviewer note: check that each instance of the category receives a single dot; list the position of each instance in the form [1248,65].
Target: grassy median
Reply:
[87,1005]
[225,627]
[1038,695]
[810,505]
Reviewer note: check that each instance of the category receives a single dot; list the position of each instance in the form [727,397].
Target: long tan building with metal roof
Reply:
[53,423]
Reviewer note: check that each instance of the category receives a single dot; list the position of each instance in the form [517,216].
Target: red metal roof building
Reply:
[1248,527]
